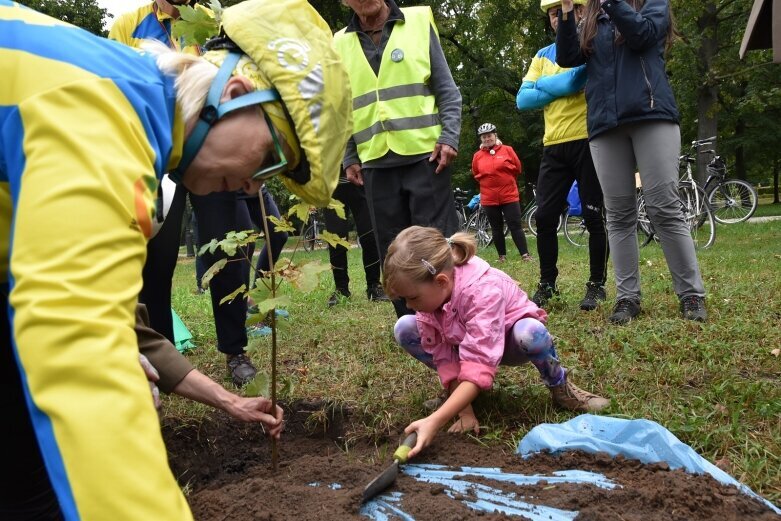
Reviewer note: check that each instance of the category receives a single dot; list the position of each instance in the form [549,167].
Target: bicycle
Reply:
[462,198]
[697,210]
[310,232]
[530,215]
[732,200]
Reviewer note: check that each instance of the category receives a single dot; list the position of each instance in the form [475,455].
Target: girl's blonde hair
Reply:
[194,75]
[418,254]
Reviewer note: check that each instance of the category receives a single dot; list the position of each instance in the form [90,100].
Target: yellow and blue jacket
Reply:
[88,128]
[148,22]
[560,92]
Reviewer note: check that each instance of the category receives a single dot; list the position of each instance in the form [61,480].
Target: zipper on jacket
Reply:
[647,83]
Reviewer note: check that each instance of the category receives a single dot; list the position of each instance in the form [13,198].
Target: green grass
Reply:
[765,209]
[716,386]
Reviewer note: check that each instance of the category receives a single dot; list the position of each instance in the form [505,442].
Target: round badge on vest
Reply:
[397,55]
[492,151]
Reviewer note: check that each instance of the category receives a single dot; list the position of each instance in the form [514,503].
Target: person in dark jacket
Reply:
[633,125]
[496,168]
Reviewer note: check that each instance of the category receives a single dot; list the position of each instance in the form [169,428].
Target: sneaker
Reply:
[544,293]
[693,308]
[502,259]
[571,397]
[626,309]
[376,293]
[258,330]
[240,369]
[337,296]
[280,313]
[527,258]
[595,293]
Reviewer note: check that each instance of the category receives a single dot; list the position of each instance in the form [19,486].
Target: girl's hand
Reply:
[465,423]
[567,6]
[427,431]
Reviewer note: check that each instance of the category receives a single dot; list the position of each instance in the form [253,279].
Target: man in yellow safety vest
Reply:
[406,118]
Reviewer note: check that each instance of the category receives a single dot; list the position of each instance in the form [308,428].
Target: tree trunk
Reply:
[708,92]
[775,181]
[740,151]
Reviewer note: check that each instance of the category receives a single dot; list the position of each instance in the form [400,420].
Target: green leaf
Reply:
[229,245]
[213,270]
[334,240]
[281,225]
[338,207]
[238,291]
[300,210]
[259,386]
[264,306]
[194,26]
[211,246]
[309,276]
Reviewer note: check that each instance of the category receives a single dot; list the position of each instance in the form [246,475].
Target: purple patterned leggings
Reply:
[528,341]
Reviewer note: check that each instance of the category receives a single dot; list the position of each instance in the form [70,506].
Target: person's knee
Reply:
[622,210]
[547,218]
[532,336]
[406,331]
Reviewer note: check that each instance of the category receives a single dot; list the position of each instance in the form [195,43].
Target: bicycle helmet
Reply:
[300,82]
[547,4]
[486,128]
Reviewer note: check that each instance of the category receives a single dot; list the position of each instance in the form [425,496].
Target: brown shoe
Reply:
[569,396]
[240,369]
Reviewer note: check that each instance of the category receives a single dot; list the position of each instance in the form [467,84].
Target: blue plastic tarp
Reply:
[644,440]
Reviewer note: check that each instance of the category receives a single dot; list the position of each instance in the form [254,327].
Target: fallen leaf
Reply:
[721,409]
[724,464]
[775,352]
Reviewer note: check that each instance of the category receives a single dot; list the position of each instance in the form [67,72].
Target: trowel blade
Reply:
[381,482]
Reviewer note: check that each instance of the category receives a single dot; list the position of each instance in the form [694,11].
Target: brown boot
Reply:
[569,396]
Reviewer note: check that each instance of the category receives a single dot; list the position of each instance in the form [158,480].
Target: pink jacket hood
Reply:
[467,336]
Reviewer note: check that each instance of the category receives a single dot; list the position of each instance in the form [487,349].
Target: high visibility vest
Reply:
[394,110]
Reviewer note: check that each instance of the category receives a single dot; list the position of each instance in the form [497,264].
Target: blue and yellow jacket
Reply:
[560,91]
[148,22]
[88,128]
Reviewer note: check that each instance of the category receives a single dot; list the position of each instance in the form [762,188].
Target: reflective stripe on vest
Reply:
[394,110]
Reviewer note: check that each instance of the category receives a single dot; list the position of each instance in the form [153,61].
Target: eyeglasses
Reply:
[276,162]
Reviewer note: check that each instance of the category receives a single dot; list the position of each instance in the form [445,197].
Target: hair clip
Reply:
[449,241]
[430,267]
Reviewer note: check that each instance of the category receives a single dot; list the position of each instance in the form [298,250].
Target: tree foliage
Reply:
[489,45]
[82,13]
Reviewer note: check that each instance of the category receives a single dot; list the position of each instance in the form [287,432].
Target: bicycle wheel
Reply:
[308,238]
[575,230]
[531,220]
[479,226]
[698,215]
[733,201]
[645,230]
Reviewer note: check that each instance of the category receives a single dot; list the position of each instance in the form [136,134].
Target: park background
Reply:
[714,385]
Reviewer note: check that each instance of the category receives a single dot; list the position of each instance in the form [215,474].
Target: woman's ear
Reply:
[236,86]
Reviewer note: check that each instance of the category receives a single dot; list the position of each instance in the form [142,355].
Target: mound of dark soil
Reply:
[226,468]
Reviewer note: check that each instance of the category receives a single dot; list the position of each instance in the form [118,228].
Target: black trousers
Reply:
[162,253]
[409,195]
[511,213]
[217,214]
[562,165]
[354,199]
[26,492]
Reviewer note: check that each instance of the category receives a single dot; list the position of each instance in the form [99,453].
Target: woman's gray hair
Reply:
[194,75]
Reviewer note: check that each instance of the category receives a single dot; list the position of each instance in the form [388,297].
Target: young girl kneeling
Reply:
[470,318]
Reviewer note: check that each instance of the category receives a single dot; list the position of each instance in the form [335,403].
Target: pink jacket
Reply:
[466,337]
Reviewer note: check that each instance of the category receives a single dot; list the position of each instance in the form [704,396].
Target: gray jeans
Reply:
[652,148]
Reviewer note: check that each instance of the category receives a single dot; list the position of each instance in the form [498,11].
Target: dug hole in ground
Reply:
[225,468]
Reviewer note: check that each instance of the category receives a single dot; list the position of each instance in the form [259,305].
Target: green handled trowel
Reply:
[388,476]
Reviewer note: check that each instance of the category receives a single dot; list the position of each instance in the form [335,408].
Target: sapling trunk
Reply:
[273,387]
